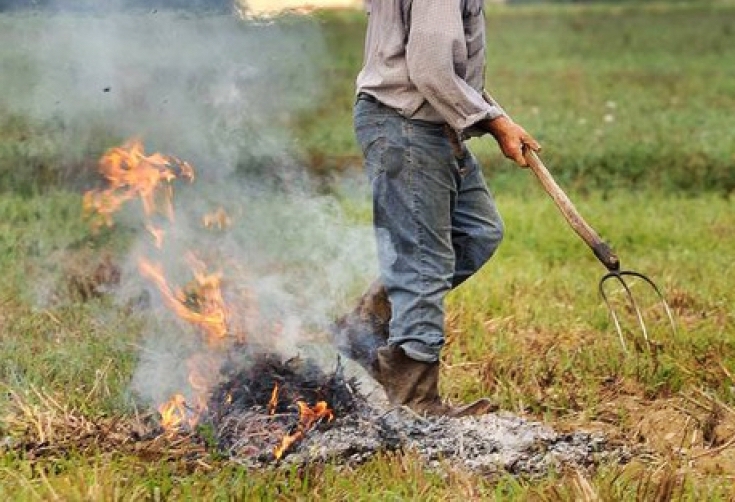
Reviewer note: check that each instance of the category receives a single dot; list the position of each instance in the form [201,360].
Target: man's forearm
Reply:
[437,45]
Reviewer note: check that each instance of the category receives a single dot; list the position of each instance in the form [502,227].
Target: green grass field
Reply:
[634,108]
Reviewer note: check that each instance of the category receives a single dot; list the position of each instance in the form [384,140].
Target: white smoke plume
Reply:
[217,92]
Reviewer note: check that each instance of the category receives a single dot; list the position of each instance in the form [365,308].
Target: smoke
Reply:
[115,5]
[219,93]
[214,89]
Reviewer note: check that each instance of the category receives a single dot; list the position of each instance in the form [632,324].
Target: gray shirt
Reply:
[426,59]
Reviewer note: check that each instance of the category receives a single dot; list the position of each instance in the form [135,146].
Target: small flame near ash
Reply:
[273,403]
[175,414]
[200,303]
[308,419]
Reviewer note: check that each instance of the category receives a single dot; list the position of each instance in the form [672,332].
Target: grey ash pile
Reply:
[251,431]
[491,444]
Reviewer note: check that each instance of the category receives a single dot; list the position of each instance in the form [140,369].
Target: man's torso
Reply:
[385,74]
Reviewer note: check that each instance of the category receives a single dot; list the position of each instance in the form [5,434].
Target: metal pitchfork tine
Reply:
[602,251]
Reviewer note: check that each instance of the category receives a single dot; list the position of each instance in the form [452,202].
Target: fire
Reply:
[308,418]
[273,403]
[174,413]
[133,174]
[201,305]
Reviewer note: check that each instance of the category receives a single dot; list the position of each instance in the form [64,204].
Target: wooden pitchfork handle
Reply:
[602,251]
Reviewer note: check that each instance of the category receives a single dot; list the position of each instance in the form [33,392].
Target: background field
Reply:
[634,106]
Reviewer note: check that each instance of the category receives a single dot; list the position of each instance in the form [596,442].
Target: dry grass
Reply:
[42,428]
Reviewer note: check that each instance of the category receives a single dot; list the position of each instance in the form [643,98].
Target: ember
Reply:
[245,432]
[356,428]
[308,418]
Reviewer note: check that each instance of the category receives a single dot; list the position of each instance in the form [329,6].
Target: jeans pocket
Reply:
[367,134]
[369,128]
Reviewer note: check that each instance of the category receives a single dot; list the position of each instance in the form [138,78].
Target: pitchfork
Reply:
[602,251]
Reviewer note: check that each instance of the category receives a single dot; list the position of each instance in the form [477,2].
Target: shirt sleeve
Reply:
[437,58]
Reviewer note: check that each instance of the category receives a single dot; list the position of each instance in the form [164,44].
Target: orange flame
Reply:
[132,174]
[177,413]
[174,413]
[273,403]
[308,418]
[203,306]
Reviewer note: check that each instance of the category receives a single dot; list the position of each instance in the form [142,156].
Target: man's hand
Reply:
[511,138]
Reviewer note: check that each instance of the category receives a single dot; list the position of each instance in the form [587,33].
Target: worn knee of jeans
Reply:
[475,249]
[472,262]
[484,244]
[477,228]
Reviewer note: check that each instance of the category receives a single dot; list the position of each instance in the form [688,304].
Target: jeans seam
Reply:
[421,240]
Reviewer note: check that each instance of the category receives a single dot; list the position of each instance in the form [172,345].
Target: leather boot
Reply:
[416,384]
[361,332]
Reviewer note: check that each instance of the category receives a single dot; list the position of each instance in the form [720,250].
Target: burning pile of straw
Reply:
[261,412]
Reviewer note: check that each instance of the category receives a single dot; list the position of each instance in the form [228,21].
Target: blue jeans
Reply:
[435,221]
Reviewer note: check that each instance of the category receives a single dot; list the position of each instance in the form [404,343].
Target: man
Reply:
[420,92]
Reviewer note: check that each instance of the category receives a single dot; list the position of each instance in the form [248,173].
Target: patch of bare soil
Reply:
[694,431]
